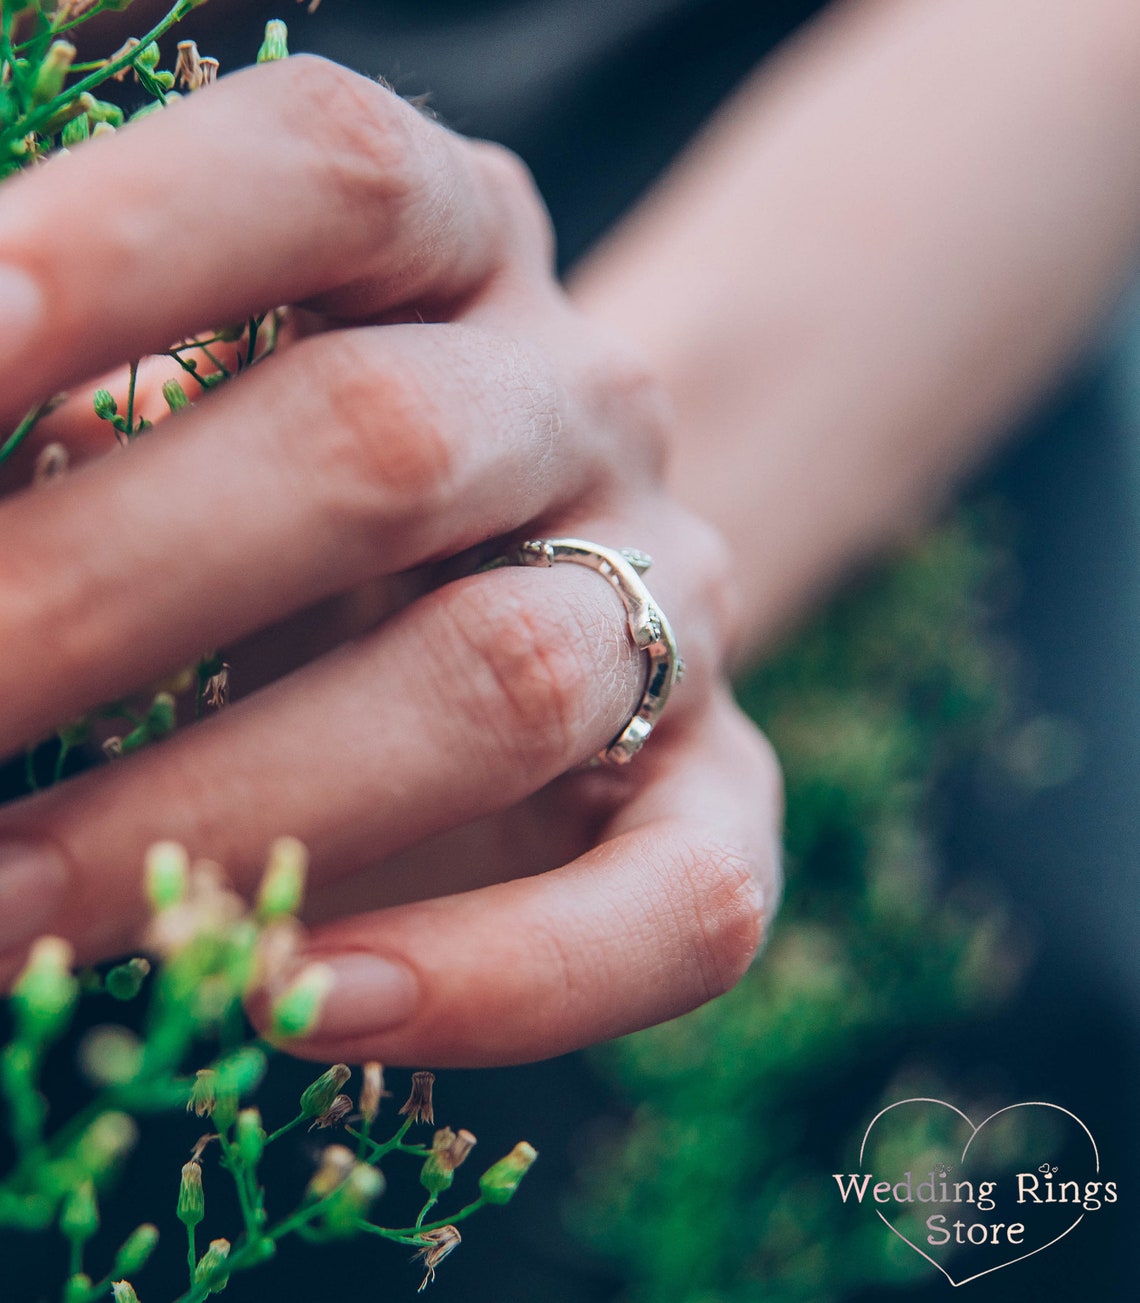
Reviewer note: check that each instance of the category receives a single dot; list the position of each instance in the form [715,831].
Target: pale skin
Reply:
[443,394]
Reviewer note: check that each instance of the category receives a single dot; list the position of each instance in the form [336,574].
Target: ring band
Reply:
[622,568]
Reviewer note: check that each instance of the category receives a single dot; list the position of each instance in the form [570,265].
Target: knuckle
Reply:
[511,182]
[527,676]
[629,398]
[731,913]
[385,449]
[362,137]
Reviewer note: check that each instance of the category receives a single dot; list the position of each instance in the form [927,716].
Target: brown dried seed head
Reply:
[337,1111]
[419,1103]
[437,1245]
[372,1091]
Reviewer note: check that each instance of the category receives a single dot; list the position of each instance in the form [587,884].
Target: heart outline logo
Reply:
[973,1133]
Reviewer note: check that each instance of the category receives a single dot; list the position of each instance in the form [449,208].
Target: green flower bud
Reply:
[158,721]
[122,1291]
[137,1248]
[45,992]
[191,1197]
[211,1269]
[101,111]
[297,1011]
[167,874]
[105,405]
[276,43]
[242,1071]
[77,1289]
[75,132]
[353,1197]
[283,885]
[317,1099]
[499,1182]
[175,395]
[148,56]
[125,981]
[52,73]
[79,1217]
[249,1137]
[107,1140]
[435,1177]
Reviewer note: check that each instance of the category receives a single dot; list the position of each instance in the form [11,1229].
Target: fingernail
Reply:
[21,312]
[32,881]
[369,995]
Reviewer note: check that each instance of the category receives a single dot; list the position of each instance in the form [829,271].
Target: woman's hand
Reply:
[478,898]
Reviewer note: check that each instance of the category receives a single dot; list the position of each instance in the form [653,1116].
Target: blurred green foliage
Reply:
[718,1188]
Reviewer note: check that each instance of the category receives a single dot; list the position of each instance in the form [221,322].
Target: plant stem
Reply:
[36,119]
[409,1234]
[287,1127]
[191,1252]
[131,386]
[21,432]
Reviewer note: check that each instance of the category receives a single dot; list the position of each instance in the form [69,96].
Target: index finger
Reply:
[290,182]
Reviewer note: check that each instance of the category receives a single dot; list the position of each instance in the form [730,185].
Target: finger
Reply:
[360,206]
[662,916]
[466,702]
[359,453]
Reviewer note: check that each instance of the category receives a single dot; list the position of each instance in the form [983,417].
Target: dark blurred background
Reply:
[1028,817]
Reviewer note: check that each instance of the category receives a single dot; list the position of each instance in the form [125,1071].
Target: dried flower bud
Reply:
[207,71]
[102,129]
[191,1197]
[317,1099]
[216,687]
[175,395]
[203,1093]
[200,1146]
[276,43]
[249,1137]
[125,981]
[167,874]
[437,1245]
[79,1217]
[337,1111]
[419,1103]
[52,459]
[137,1248]
[372,1091]
[113,748]
[128,47]
[297,1011]
[187,65]
[122,1291]
[211,1269]
[499,1182]
[283,884]
[336,1166]
[45,992]
[110,1056]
